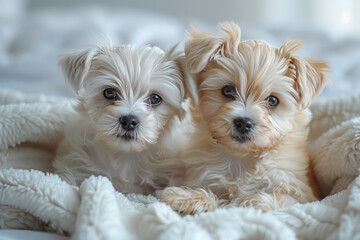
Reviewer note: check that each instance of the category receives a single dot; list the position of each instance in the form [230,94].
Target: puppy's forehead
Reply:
[256,69]
[128,67]
[129,62]
[254,44]
[256,56]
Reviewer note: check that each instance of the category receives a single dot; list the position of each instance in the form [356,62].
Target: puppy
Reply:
[129,99]
[250,109]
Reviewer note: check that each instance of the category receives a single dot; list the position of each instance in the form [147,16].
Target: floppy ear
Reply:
[178,58]
[310,74]
[202,48]
[76,65]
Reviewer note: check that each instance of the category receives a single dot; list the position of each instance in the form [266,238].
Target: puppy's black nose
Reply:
[244,125]
[129,122]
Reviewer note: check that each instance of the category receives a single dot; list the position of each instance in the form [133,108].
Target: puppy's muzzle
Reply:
[129,122]
[243,126]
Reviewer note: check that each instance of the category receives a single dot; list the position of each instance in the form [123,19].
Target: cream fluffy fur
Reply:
[93,141]
[272,169]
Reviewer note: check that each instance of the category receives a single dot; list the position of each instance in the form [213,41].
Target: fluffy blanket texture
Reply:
[30,127]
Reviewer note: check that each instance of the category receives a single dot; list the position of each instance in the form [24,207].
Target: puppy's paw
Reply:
[256,203]
[189,201]
[268,202]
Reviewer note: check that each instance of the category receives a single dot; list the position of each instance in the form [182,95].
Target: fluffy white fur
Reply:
[94,142]
[271,168]
[336,152]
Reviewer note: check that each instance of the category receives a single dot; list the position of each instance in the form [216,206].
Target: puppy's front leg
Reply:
[186,201]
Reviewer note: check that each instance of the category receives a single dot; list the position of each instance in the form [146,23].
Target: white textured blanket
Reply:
[31,125]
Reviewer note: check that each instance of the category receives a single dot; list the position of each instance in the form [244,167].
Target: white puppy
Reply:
[128,102]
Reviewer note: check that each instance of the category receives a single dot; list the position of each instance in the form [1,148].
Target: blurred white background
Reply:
[337,17]
[33,33]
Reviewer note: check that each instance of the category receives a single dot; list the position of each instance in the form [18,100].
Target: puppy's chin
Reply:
[235,145]
[241,139]
[241,145]
[126,143]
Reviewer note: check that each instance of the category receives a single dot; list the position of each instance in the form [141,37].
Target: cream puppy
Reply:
[250,109]
[128,102]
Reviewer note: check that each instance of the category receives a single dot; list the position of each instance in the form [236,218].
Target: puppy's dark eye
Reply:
[229,91]
[110,93]
[272,101]
[155,99]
